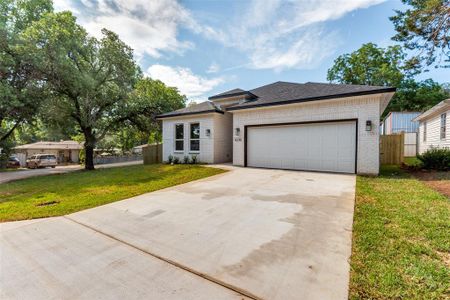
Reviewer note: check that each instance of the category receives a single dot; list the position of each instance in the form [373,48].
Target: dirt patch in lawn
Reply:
[439,181]
[47,203]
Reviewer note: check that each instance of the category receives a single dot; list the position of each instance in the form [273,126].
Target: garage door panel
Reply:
[318,146]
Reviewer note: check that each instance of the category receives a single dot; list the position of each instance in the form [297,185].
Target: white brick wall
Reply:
[206,143]
[433,133]
[362,108]
[217,148]
[223,137]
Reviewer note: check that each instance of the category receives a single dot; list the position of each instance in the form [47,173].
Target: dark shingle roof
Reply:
[230,92]
[280,92]
[200,108]
[233,93]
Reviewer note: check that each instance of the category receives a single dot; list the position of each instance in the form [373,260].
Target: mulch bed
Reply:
[437,180]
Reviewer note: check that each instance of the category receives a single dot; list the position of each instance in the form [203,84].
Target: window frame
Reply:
[194,139]
[175,150]
[425,131]
[442,126]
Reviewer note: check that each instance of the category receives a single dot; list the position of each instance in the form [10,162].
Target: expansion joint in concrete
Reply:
[171,262]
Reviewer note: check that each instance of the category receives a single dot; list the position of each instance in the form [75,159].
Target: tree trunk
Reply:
[89,144]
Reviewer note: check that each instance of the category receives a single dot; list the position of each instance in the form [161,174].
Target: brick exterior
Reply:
[362,108]
[221,145]
[216,148]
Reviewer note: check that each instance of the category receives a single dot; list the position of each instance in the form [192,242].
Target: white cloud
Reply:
[305,53]
[149,27]
[286,34]
[276,34]
[189,84]
[213,68]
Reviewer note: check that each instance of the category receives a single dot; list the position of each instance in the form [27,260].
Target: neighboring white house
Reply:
[283,125]
[65,151]
[434,128]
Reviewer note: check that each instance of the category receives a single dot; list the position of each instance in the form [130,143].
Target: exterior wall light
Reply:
[237,131]
[368,125]
[208,132]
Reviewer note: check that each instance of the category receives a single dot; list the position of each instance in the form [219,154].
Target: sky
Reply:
[208,47]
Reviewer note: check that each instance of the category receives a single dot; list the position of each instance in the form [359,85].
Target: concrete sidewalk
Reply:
[22,174]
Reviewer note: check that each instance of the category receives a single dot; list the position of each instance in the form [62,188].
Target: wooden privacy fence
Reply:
[152,154]
[392,149]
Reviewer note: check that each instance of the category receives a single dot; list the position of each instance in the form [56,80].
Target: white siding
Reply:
[362,108]
[433,133]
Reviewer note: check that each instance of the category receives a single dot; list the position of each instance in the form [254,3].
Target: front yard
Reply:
[401,244]
[56,195]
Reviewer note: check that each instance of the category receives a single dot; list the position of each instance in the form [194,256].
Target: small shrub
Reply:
[176,160]
[170,159]
[186,159]
[194,159]
[436,159]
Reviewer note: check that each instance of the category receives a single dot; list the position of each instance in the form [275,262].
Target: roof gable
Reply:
[200,108]
[438,108]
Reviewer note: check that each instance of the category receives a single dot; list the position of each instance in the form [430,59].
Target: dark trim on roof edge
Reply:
[386,90]
[232,95]
[191,113]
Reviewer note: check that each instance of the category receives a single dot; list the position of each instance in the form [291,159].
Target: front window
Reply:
[195,137]
[424,131]
[443,125]
[179,137]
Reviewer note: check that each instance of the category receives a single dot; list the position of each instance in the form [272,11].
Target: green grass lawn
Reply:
[401,239]
[12,170]
[56,195]
[412,161]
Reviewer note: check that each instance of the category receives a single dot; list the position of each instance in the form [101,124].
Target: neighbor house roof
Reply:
[201,108]
[70,145]
[279,93]
[443,105]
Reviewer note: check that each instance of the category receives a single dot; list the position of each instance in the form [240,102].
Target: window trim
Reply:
[425,131]
[442,126]
[195,139]
[177,140]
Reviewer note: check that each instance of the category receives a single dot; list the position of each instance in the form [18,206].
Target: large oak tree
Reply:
[90,78]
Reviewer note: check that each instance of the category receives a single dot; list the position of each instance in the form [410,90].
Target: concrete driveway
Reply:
[22,174]
[261,234]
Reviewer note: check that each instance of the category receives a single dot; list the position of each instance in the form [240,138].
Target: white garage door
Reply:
[318,147]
